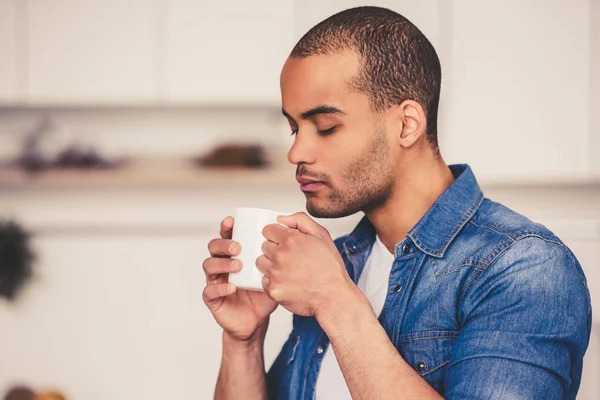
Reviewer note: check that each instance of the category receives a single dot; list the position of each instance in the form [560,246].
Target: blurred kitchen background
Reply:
[129,129]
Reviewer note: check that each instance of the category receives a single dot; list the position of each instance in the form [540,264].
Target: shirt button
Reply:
[421,366]
[319,349]
[397,288]
[406,248]
[352,248]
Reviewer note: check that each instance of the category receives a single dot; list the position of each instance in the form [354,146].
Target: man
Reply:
[438,291]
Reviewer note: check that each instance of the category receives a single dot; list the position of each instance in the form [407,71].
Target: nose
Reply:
[302,151]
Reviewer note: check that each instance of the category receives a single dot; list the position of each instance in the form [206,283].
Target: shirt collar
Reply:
[451,211]
[441,223]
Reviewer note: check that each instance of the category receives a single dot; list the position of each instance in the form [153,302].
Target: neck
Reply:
[413,194]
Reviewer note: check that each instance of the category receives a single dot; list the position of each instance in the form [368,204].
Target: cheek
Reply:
[364,170]
[345,180]
[348,155]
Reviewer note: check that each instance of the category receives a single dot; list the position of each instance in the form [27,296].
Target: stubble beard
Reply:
[368,184]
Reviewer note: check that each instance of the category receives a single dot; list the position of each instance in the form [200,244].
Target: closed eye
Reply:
[327,131]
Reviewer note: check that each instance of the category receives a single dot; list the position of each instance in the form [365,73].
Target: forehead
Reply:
[319,79]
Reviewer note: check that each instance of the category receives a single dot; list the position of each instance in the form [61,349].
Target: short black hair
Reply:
[398,62]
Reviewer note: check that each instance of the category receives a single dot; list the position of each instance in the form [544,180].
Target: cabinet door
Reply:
[229,51]
[518,89]
[8,51]
[116,315]
[595,76]
[590,387]
[586,250]
[89,51]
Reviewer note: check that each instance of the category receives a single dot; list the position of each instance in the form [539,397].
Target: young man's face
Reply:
[341,147]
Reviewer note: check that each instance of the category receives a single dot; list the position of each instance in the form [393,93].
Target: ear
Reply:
[413,121]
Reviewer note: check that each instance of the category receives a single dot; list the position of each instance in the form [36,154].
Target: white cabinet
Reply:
[227,52]
[595,105]
[518,87]
[425,14]
[590,386]
[586,250]
[89,51]
[115,310]
[119,316]
[8,51]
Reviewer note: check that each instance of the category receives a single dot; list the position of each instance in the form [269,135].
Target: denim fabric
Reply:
[481,302]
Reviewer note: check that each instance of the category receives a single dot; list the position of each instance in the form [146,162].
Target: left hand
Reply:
[302,267]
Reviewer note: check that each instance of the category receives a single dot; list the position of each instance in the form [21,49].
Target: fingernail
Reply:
[230,287]
[234,247]
[236,265]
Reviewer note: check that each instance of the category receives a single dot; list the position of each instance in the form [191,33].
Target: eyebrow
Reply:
[316,111]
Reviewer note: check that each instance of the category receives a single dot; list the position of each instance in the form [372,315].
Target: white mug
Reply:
[248,224]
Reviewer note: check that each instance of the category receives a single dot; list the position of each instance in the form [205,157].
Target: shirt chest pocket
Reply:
[428,352]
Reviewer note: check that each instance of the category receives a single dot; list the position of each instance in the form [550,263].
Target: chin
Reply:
[319,208]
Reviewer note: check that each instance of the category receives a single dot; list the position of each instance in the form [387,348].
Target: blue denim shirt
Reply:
[481,302]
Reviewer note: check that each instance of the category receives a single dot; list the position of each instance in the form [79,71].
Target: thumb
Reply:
[302,223]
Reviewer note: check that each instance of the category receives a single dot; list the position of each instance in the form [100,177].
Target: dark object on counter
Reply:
[20,393]
[234,155]
[86,158]
[16,259]
[37,157]
[32,157]
[23,392]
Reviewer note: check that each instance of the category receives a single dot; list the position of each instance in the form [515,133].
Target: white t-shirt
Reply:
[373,282]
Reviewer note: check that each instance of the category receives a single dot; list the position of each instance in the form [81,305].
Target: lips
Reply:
[308,184]
[305,181]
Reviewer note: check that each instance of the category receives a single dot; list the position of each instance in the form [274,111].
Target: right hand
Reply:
[239,312]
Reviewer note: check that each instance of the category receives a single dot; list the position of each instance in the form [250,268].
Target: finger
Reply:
[219,278]
[223,248]
[226,228]
[213,294]
[265,283]
[302,223]
[217,269]
[275,232]
[216,266]
[269,248]
[264,265]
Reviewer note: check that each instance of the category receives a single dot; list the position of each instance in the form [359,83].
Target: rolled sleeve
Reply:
[526,324]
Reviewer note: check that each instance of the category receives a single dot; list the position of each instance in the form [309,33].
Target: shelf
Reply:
[173,173]
[151,174]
